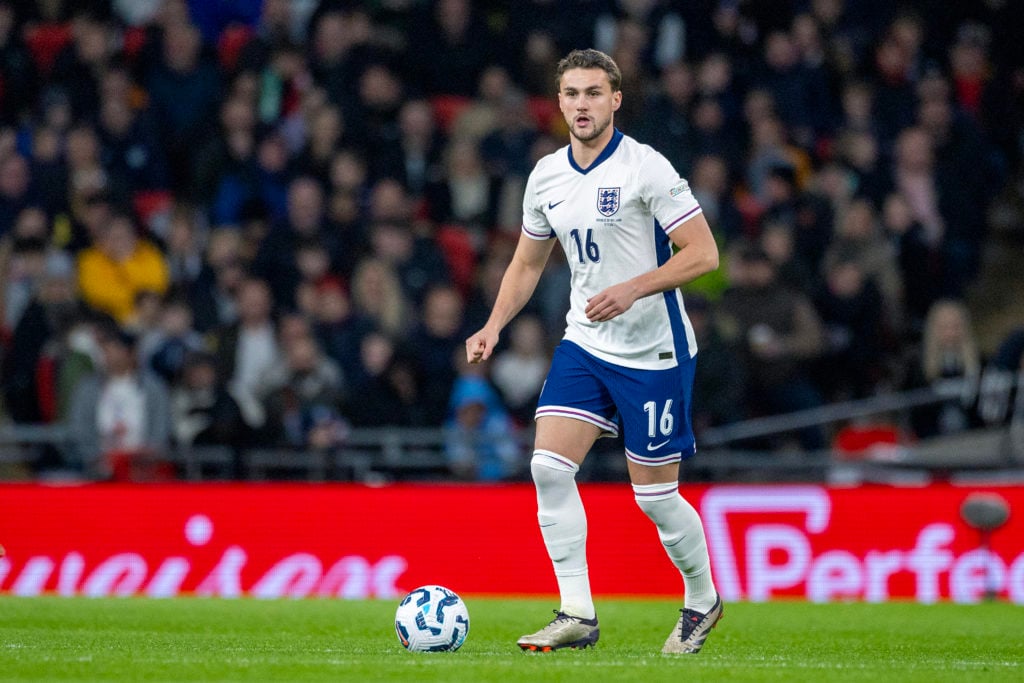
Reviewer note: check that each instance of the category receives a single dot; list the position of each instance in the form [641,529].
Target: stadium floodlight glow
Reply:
[985,512]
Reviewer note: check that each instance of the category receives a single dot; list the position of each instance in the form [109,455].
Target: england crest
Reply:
[608,200]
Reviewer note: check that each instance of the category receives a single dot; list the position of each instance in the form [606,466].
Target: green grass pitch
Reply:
[193,639]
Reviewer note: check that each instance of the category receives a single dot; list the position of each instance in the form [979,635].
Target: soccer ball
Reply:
[432,619]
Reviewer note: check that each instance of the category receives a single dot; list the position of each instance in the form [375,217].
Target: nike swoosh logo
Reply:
[553,205]
[656,446]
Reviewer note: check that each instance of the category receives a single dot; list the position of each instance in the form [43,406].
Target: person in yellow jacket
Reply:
[117,267]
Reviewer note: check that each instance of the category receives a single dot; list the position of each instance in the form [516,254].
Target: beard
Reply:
[596,130]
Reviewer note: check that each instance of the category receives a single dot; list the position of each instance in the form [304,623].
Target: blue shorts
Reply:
[652,406]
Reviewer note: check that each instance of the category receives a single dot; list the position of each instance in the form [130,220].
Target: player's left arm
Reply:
[697,254]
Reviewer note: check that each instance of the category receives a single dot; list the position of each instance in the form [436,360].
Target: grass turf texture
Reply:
[333,640]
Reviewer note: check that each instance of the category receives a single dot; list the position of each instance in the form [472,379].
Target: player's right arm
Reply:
[517,286]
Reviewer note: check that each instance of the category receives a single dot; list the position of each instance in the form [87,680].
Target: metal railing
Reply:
[409,454]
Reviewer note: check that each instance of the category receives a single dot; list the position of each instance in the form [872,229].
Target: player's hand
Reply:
[610,303]
[480,346]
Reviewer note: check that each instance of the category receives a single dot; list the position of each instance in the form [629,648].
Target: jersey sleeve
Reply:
[668,196]
[535,223]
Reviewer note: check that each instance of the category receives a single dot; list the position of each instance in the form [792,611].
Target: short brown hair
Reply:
[590,59]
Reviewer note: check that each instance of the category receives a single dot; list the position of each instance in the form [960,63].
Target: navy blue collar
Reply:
[608,150]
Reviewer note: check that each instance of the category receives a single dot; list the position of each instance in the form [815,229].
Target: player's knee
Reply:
[654,498]
[551,469]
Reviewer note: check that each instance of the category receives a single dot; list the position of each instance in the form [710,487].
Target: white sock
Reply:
[682,534]
[563,524]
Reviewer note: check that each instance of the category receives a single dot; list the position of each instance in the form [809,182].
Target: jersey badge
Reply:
[608,200]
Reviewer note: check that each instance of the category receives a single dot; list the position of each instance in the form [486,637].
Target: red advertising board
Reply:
[350,541]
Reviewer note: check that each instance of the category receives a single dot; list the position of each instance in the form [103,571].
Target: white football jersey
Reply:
[613,220]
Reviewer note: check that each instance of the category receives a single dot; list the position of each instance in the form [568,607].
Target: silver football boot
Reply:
[563,631]
[692,630]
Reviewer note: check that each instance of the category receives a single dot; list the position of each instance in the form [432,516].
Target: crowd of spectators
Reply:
[272,221]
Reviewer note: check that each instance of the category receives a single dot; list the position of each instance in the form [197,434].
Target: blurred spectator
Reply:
[284,20]
[15,180]
[83,225]
[950,362]
[777,331]
[341,49]
[173,341]
[385,390]
[388,201]
[1010,354]
[87,179]
[506,149]
[859,151]
[770,151]
[519,371]
[284,80]
[717,81]
[481,115]
[488,279]
[853,314]
[665,123]
[779,245]
[381,94]
[709,182]
[414,157]
[480,444]
[661,24]
[963,173]
[377,295]
[49,173]
[415,258]
[808,213]
[349,174]
[628,49]
[719,381]
[452,47]
[859,237]
[17,70]
[184,87]
[857,102]
[212,297]
[120,265]
[120,416]
[551,298]
[145,317]
[439,334]
[203,412]
[799,90]
[225,153]
[893,89]
[247,349]
[306,221]
[184,248]
[467,195]
[28,369]
[80,65]
[712,137]
[538,58]
[338,328]
[325,131]
[915,180]
[130,152]
[24,256]
[302,396]
[920,261]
